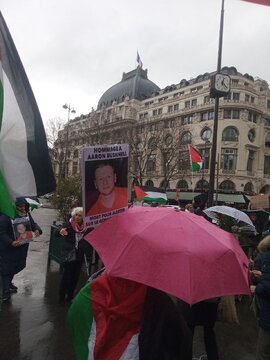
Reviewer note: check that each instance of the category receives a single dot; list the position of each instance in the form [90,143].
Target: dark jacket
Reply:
[70,242]
[263,292]
[164,334]
[12,259]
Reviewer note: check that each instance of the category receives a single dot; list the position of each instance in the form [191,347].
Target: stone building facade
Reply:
[159,124]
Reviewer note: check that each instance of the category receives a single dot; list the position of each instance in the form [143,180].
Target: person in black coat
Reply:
[262,292]
[164,333]
[73,252]
[13,253]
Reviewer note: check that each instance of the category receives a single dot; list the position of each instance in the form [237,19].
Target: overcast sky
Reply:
[73,51]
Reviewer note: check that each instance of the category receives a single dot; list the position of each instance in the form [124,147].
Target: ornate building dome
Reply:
[134,84]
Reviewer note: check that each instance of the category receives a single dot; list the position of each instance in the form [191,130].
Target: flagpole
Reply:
[215,127]
[192,182]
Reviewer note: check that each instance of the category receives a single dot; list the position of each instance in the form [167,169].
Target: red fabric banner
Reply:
[261,2]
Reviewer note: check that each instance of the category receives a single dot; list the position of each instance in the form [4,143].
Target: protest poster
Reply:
[105,182]
[22,230]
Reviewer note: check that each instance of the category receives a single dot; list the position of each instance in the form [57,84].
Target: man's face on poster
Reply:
[105,179]
[21,228]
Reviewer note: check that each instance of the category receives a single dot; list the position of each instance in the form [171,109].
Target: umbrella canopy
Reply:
[176,252]
[229,211]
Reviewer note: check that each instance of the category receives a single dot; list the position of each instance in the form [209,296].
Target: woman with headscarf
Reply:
[73,252]
[13,253]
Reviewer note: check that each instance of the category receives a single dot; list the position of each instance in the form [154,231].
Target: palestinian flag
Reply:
[195,158]
[151,194]
[104,319]
[33,204]
[25,166]
[260,2]
[139,193]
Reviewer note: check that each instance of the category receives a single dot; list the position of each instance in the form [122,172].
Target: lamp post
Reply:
[70,109]
[215,127]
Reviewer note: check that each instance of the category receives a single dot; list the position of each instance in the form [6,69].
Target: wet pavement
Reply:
[32,324]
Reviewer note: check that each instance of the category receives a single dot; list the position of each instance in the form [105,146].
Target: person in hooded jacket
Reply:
[13,254]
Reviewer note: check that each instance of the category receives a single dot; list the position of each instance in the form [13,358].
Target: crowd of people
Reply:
[150,324]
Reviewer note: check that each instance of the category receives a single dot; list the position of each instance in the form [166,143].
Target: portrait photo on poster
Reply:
[22,230]
[106,187]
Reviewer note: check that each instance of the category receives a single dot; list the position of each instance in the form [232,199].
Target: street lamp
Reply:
[70,109]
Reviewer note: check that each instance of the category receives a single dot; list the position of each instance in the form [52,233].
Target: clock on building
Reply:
[220,85]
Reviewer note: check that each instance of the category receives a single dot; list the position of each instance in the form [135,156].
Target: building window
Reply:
[267,165]
[140,129]
[151,163]
[188,119]
[186,138]
[267,141]
[152,143]
[205,153]
[182,184]
[168,140]
[76,153]
[74,168]
[228,159]
[250,162]
[236,114]
[206,99]
[184,161]
[267,121]
[251,135]
[206,134]
[170,108]
[169,123]
[252,117]
[247,97]
[268,104]
[165,184]
[194,102]
[248,187]
[252,99]
[228,97]
[202,185]
[236,96]
[230,134]
[149,183]
[153,127]
[176,107]
[235,82]
[227,186]
[208,115]
[157,112]
[187,104]
[231,114]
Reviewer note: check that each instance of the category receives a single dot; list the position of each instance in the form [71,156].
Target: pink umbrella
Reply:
[177,252]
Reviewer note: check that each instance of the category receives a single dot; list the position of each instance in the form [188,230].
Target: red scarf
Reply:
[78,228]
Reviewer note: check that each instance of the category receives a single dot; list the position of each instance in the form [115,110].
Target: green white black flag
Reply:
[25,167]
